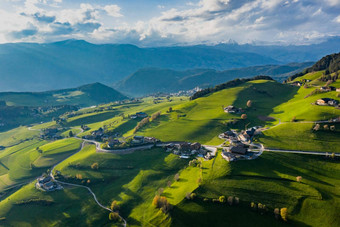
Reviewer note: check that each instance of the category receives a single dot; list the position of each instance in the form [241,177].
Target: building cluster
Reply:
[300,83]
[46,183]
[238,144]
[139,140]
[185,150]
[50,133]
[187,92]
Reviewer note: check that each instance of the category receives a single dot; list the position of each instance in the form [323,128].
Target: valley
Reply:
[93,153]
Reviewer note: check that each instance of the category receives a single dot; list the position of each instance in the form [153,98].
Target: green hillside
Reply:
[87,95]
[286,112]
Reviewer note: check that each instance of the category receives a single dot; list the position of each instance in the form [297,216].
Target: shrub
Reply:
[114,216]
[253,206]
[249,103]
[237,200]
[293,119]
[277,213]
[222,199]
[114,206]
[298,178]
[193,196]
[162,203]
[230,200]
[316,127]
[244,116]
[284,214]
[95,166]
[155,116]
[176,177]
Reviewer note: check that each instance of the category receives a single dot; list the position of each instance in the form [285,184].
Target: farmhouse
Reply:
[238,150]
[195,146]
[49,133]
[246,136]
[98,133]
[230,109]
[297,83]
[141,115]
[150,140]
[46,183]
[228,135]
[138,140]
[184,146]
[113,142]
[134,116]
[327,102]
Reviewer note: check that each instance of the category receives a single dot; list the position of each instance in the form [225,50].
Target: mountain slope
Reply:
[87,95]
[152,80]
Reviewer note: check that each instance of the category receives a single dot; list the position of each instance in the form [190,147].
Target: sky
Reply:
[170,22]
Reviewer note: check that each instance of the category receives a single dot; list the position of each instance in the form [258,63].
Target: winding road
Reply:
[82,186]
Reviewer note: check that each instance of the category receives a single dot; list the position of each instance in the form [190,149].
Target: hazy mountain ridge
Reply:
[71,63]
[151,80]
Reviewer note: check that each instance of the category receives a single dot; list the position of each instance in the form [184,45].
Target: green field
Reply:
[134,179]
[28,160]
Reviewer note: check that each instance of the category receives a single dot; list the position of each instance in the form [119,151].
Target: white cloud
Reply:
[113,10]
[202,21]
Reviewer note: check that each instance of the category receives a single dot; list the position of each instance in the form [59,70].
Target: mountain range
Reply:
[71,63]
[152,80]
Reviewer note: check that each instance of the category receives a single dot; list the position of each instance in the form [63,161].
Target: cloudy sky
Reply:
[170,22]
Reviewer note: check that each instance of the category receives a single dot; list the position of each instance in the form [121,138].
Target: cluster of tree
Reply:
[281,213]
[231,200]
[329,63]
[114,216]
[262,208]
[229,84]
[162,203]
[329,78]
[314,92]
[259,207]
[325,127]
[142,123]
[155,116]
[169,110]
[293,77]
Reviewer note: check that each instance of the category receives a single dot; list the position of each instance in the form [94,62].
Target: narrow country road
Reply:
[300,152]
[82,186]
